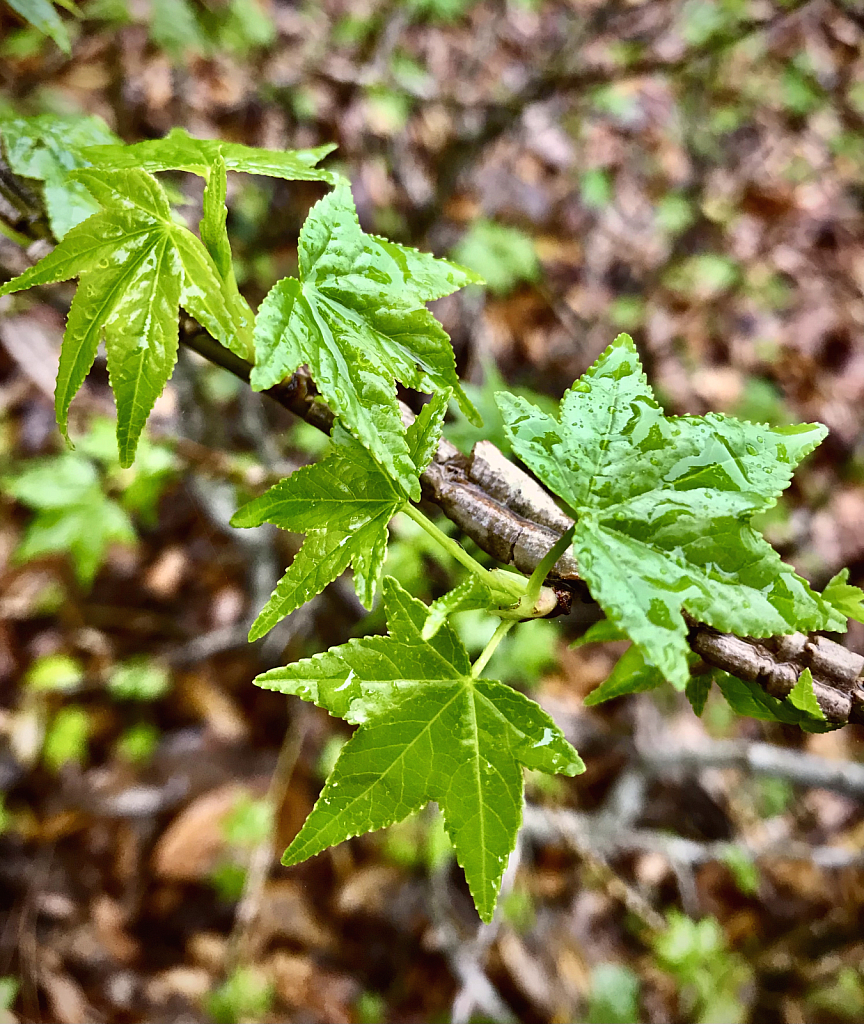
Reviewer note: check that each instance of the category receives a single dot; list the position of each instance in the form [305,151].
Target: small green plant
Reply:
[66,738]
[139,679]
[711,978]
[83,499]
[664,510]
[73,513]
[503,256]
[246,996]
[43,16]
[614,997]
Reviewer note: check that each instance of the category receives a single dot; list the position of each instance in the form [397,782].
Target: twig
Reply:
[795,766]
[603,837]
[261,860]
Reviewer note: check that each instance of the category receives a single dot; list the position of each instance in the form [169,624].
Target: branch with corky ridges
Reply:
[507,514]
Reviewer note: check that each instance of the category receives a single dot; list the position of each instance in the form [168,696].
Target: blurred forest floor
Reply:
[692,173]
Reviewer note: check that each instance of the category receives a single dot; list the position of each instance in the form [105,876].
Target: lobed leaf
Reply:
[343,504]
[631,674]
[180,151]
[48,147]
[428,731]
[846,599]
[136,266]
[697,691]
[663,507]
[73,514]
[356,316]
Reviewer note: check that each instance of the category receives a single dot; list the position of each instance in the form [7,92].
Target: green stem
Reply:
[13,235]
[544,566]
[449,545]
[503,628]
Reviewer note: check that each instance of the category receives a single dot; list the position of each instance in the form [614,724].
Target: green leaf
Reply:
[343,504]
[663,507]
[697,690]
[214,235]
[136,266]
[175,29]
[42,15]
[631,674]
[746,698]
[139,678]
[472,593]
[803,697]
[600,632]
[180,151]
[428,731]
[356,316]
[614,997]
[848,600]
[66,739]
[47,147]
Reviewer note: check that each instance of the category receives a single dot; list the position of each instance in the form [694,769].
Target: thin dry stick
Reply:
[261,860]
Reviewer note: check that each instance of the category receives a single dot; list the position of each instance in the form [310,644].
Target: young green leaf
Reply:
[47,147]
[343,504]
[600,632]
[214,235]
[663,507]
[631,674]
[356,316]
[697,690]
[428,731]
[471,594]
[180,151]
[848,600]
[802,696]
[136,266]
[746,698]
[42,14]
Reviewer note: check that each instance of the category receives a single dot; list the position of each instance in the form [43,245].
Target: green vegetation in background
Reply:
[246,995]
[83,499]
[43,16]
[139,678]
[54,673]
[66,738]
[614,996]
[503,256]
[465,434]
[711,978]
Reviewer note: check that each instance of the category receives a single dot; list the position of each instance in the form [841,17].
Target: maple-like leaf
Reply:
[846,599]
[429,730]
[663,507]
[180,151]
[48,147]
[356,316]
[136,266]
[343,504]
